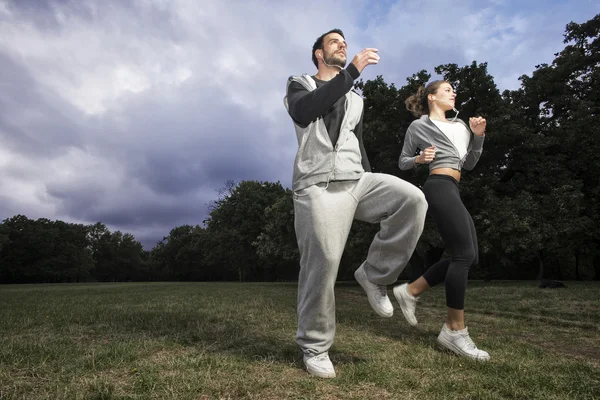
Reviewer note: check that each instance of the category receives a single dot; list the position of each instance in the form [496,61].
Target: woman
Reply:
[447,146]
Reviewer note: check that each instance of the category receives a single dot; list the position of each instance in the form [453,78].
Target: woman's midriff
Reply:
[446,171]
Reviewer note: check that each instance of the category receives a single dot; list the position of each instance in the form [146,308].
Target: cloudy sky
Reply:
[134,112]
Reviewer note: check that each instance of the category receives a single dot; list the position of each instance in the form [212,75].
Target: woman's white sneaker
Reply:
[407,302]
[320,365]
[460,343]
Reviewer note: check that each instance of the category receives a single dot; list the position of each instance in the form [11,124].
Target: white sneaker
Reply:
[377,294]
[407,302]
[320,365]
[460,343]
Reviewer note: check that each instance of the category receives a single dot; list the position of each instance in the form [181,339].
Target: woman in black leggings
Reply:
[447,146]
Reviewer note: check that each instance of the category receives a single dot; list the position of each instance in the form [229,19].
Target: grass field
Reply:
[236,341]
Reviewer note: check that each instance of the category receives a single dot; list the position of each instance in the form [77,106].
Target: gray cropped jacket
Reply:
[423,133]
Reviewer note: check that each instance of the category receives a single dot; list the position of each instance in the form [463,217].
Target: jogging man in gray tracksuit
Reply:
[333,185]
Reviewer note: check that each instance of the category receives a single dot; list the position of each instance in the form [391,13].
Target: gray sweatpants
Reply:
[323,217]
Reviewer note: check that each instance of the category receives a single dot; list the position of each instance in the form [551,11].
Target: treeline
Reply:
[238,243]
[534,195]
[56,251]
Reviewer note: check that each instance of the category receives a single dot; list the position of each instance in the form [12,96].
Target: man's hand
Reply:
[364,58]
[426,156]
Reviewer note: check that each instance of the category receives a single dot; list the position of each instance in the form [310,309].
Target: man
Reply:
[333,184]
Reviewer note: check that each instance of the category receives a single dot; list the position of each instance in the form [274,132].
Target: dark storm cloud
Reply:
[39,12]
[170,162]
[49,15]
[138,212]
[197,142]
[33,120]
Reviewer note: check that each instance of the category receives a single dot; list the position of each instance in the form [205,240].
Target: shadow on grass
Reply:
[401,331]
[237,335]
[358,313]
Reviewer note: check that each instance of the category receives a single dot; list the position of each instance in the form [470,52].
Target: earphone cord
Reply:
[331,66]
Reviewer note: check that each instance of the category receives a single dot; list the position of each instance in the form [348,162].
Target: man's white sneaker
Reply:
[319,365]
[377,294]
[460,343]
[407,302]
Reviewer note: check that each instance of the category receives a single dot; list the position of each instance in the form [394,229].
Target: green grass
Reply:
[236,341]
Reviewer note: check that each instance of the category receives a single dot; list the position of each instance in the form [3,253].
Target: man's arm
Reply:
[305,106]
[363,153]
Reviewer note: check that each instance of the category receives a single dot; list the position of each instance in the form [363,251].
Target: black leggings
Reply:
[456,227]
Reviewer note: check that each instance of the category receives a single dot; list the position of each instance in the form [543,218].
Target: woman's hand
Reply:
[426,156]
[477,125]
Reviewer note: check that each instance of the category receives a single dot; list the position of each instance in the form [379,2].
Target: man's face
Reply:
[334,50]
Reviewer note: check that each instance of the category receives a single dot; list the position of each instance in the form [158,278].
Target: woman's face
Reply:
[444,97]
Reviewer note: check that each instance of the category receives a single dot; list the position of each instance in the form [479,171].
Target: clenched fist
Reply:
[477,125]
[426,156]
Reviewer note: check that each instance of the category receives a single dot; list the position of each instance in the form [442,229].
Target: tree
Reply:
[43,251]
[236,222]
[559,104]
[276,245]
[180,254]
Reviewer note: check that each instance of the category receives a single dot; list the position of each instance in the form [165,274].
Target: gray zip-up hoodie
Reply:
[423,133]
[317,160]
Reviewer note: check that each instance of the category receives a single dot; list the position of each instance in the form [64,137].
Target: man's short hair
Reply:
[319,44]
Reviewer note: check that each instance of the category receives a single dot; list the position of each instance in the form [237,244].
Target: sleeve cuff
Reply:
[478,141]
[407,163]
[351,69]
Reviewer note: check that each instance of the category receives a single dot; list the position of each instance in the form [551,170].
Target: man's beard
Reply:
[334,61]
